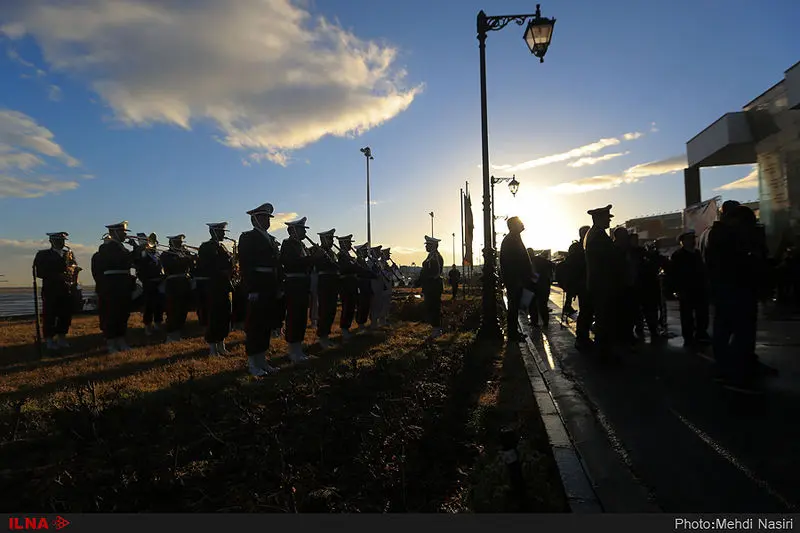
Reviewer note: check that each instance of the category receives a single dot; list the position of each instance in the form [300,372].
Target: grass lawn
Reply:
[389,422]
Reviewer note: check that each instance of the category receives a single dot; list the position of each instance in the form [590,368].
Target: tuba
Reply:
[72,271]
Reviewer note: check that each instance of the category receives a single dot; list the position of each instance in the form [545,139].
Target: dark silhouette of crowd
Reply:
[621,286]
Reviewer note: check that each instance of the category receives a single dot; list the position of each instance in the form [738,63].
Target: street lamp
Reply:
[537,35]
[513,186]
[367,151]
[454,248]
[431,214]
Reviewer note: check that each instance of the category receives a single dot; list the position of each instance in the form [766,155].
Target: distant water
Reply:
[19,301]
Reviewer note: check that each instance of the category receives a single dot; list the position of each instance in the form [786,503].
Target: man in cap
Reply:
[260,267]
[111,267]
[389,274]
[215,263]
[365,278]
[454,277]
[686,277]
[56,267]
[348,279]
[517,273]
[603,266]
[147,262]
[430,279]
[178,264]
[297,263]
[327,267]
[378,286]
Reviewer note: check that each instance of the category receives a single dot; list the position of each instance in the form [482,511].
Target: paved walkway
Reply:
[695,446]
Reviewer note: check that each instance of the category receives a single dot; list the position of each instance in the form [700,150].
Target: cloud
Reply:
[24,147]
[267,74]
[631,175]
[584,161]
[580,152]
[653,128]
[748,182]
[54,93]
[280,219]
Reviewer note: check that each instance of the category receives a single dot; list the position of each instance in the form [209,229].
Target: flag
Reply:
[468,227]
[700,217]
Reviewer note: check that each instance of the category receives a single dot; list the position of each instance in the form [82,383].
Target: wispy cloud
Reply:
[24,145]
[270,75]
[280,219]
[631,175]
[653,127]
[405,251]
[54,93]
[748,182]
[585,161]
[580,152]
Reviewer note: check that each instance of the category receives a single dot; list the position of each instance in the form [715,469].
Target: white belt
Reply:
[296,275]
[174,276]
[109,272]
[264,269]
[201,278]
[328,273]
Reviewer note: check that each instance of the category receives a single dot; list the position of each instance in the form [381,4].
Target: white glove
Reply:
[252,297]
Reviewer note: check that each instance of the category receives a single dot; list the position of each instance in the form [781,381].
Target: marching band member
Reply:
[178,264]
[365,278]
[260,267]
[297,263]
[386,255]
[348,277]
[111,267]
[147,263]
[430,279]
[215,264]
[56,268]
[326,265]
[378,286]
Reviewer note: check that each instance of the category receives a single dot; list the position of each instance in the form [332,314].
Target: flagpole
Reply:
[461,201]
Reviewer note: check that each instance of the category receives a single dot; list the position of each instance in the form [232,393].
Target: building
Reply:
[766,133]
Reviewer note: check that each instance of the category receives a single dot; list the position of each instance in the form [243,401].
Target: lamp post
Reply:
[367,151]
[454,248]
[431,214]
[513,186]
[537,35]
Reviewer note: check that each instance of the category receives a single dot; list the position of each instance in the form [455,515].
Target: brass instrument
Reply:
[71,275]
[236,276]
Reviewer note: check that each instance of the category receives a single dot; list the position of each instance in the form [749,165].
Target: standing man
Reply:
[603,268]
[686,277]
[365,277]
[215,263]
[178,265]
[348,277]
[454,276]
[430,279]
[297,264]
[378,286]
[56,267]
[111,266]
[260,266]
[389,274]
[516,272]
[539,308]
[327,267]
[147,263]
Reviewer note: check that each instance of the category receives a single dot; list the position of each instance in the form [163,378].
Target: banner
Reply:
[468,230]
[700,217]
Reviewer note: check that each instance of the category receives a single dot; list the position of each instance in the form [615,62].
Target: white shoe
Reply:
[212,349]
[112,346]
[346,335]
[51,344]
[222,349]
[325,342]
[62,342]
[254,365]
[296,354]
[122,345]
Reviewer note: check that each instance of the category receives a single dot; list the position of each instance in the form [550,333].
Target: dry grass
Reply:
[387,423]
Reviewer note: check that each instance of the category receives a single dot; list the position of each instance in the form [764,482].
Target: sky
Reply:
[173,114]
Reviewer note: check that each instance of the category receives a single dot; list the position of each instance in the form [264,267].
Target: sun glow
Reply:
[547,222]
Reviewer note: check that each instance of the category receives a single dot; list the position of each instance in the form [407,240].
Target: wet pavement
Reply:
[693,445]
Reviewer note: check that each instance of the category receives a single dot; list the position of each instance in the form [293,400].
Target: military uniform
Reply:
[111,266]
[56,268]
[379,286]
[297,264]
[260,268]
[178,266]
[150,273]
[215,263]
[430,279]
[517,274]
[348,279]
[602,268]
[388,275]
[686,276]
[327,268]
[454,276]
